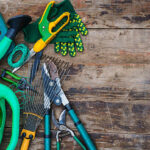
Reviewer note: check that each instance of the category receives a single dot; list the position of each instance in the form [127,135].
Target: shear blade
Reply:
[31,54]
[56,123]
[62,118]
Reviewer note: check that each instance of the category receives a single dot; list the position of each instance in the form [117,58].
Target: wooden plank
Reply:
[95,13]
[103,141]
[109,88]
[108,117]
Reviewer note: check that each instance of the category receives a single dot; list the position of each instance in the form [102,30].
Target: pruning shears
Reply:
[49,75]
[65,102]
[20,82]
[64,130]
[46,31]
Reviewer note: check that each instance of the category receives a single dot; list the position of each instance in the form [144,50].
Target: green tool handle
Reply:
[89,143]
[11,98]
[79,142]
[47,145]
[4,46]
[6,72]
[10,81]
[13,75]
[58,145]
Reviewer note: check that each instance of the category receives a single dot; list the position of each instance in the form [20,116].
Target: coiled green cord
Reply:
[20,49]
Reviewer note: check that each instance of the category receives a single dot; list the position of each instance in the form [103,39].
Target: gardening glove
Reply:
[69,39]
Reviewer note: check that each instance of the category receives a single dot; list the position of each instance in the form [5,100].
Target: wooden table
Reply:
[109,85]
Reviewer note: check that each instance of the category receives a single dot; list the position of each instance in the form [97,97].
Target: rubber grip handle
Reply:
[4,46]
[25,144]
[90,145]
[79,142]
[47,132]
[58,145]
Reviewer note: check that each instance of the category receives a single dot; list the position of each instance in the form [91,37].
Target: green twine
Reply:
[20,49]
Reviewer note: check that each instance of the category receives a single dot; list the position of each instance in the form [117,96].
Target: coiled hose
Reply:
[7,94]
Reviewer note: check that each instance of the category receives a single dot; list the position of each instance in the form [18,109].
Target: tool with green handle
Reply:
[68,40]
[64,101]
[16,80]
[8,95]
[47,30]
[89,143]
[64,130]
[16,24]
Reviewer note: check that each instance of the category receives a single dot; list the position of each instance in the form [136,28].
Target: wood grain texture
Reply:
[109,82]
[95,13]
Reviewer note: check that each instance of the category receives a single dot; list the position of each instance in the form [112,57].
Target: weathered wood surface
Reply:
[95,13]
[109,84]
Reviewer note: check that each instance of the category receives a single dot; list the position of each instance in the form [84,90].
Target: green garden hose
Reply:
[2,117]
[7,94]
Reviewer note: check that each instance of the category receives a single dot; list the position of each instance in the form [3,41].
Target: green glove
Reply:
[31,31]
[69,39]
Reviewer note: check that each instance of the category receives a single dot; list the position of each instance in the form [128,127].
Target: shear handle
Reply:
[5,73]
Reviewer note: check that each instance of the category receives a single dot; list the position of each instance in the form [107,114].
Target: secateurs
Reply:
[49,74]
[64,101]
[19,82]
[64,130]
[46,30]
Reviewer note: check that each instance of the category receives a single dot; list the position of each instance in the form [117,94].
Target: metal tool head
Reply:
[62,119]
[52,70]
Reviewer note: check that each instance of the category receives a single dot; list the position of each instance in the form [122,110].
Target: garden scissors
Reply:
[64,130]
[20,82]
[65,102]
[46,31]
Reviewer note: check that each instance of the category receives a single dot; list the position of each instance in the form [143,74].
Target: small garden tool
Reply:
[16,24]
[68,40]
[18,81]
[7,94]
[63,129]
[47,30]
[34,110]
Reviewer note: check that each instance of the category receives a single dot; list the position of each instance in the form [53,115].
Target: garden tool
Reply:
[64,101]
[3,31]
[47,30]
[7,94]
[35,65]
[49,73]
[68,39]
[62,128]
[16,24]
[19,82]
[34,110]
